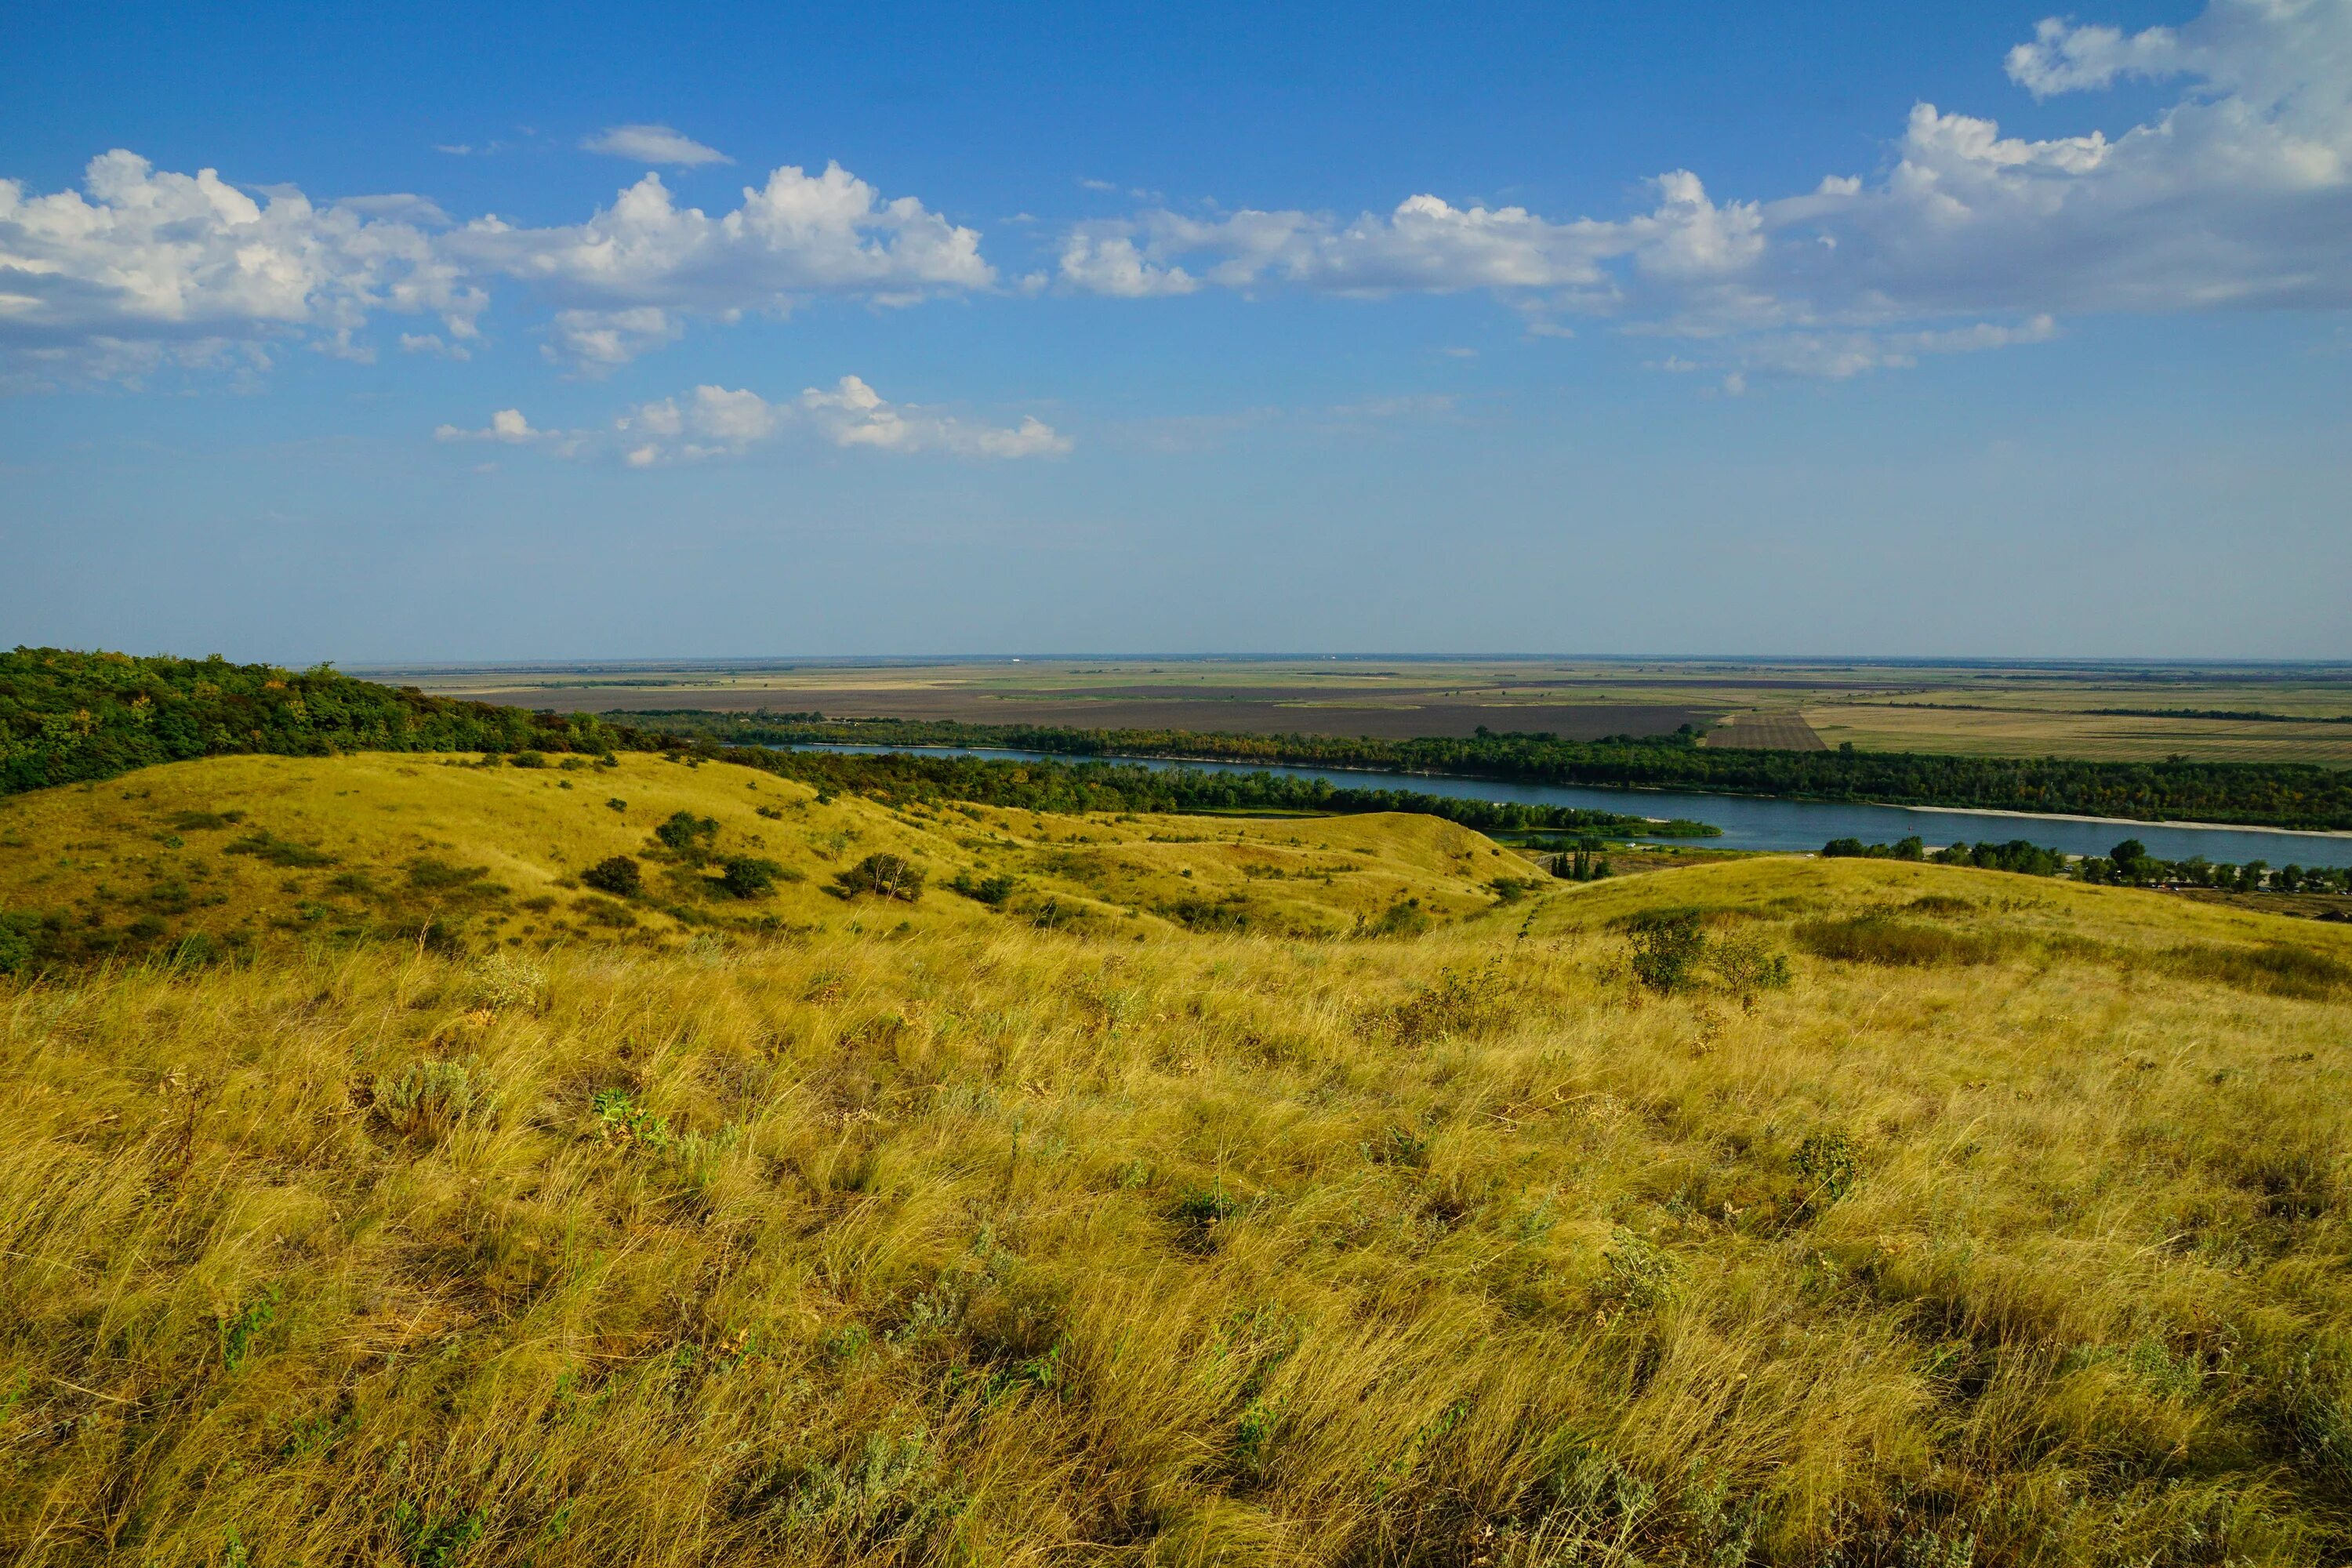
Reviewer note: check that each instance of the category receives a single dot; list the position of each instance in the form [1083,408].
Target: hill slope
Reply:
[1997,1221]
[220,854]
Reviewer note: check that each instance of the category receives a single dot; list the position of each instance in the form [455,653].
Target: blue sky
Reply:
[549,332]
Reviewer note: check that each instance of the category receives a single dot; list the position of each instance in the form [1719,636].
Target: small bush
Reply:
[2276,969]
[15,944]
[619,875]
[528,760]
[885,876]
[1406,918]
[435,876]
[204,821]
[427,1099]
[1667,949]
[683,833]
[1875,939]
[1462,1002]
[1746,967]
[749,876]
[1826,1159]
[266,846]
[989,891]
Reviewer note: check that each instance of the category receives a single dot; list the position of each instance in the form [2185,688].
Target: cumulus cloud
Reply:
[2239,195]
[853,414]
[717,421]
[508,425]
[144,255]
[797,236]
[653,144]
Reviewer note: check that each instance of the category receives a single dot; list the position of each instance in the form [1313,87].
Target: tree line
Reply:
[68,717]
[2127,865]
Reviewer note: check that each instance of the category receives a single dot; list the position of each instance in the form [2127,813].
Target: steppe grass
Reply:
[986,1244]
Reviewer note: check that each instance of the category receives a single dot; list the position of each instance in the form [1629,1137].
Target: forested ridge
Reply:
[68,717]
[2275,794]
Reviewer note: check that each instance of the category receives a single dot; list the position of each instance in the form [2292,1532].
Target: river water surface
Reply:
[1751,822]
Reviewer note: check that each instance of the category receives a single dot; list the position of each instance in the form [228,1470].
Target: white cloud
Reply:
[598,340]
[432,343]
[717,421]
[797,236]
[507,424]
[1425,243]
[1111,264]
[854,414]
[2064,58]
[169,259]
[2239,195]
[653,144]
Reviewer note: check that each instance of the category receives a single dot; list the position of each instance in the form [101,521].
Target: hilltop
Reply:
[1770,1210]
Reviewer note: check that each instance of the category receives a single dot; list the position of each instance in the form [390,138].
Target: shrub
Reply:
[16,943]
[1406,918]
[1462,1002]
[1911,848]
[1875,939]
[883,875]
[683,833]
[2277,969]
[265,846]
[619,875]
[1666,949]
[1746,966]
[433,875]
[989,891]
[528,760]
[749,876]
[1826,1159]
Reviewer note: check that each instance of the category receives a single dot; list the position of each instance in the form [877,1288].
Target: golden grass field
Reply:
[2013,1228]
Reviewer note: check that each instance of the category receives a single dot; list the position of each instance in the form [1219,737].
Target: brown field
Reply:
[1768,731]
[1227,711]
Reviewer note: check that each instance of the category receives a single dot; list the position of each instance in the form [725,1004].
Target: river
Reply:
[1752,822]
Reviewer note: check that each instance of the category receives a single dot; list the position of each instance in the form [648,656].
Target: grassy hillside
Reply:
[1924,1215]
[211,858]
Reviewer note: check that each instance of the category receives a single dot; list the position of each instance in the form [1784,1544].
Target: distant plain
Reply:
[2117,711]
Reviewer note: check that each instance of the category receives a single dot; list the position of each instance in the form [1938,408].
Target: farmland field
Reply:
[1989,708]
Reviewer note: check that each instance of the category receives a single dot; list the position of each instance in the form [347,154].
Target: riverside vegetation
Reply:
[662,1162]
[2275,795]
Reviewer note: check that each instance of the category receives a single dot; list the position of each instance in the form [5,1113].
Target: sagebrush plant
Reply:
[979,1243]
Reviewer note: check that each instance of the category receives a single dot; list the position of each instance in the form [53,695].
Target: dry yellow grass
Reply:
[993,1244]
[392,837]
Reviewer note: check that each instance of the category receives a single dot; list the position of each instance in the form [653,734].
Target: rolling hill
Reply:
[1187,1190]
